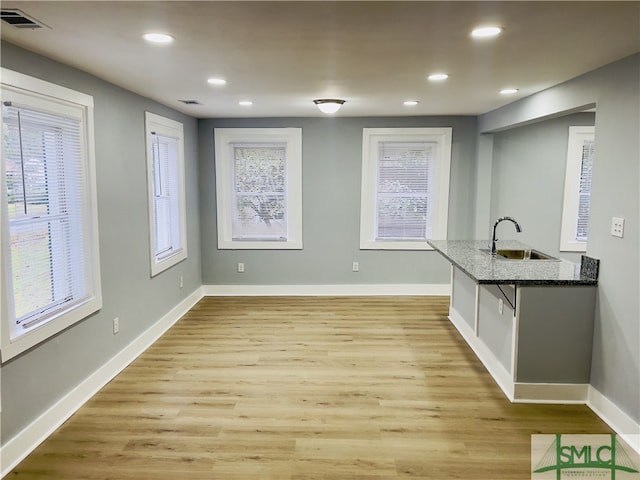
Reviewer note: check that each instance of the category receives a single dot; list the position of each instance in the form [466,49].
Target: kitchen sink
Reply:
[520,254]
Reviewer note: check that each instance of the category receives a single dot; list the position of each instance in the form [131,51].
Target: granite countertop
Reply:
[485,269]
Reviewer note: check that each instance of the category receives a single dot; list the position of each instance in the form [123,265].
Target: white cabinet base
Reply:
[507,345]
[518,392]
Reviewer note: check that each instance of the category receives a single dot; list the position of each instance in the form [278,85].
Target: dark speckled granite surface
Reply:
[468,256]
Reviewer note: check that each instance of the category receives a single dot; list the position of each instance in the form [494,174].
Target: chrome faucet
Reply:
[492,245]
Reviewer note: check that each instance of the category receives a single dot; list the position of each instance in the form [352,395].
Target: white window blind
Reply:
[259,177]
[166,196]
[404,190]
[574,231]
[46,202]
[259,188]
[584,201]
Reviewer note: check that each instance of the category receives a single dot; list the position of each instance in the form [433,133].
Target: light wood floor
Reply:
[302,389]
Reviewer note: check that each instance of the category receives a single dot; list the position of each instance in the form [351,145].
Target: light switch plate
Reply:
[617,227]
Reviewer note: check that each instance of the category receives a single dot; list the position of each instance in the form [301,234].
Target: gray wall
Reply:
[615,90]
[35,380]
[527,181]
[332,158]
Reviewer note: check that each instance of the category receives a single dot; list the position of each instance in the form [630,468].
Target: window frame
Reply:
[371,137]
[169,128]
[224,139]
[57,100]
[571,201]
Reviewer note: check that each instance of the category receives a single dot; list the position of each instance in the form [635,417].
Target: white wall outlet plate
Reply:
[617,227]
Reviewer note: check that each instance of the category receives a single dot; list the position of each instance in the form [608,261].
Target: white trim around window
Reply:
[166,190]
[423,185]
[259,188]
[577,189]
[55,203]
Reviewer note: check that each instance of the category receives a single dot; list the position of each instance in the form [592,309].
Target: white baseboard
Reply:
[516,392]
[500,374]
[16,449]
[328,290]
[550,393]
[610,413]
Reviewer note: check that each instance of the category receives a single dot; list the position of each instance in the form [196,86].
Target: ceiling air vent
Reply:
[19,19]
[190,102]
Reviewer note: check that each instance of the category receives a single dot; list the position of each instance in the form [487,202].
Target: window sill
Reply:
[12,347]
[395,245]
[168,262]
[259,245]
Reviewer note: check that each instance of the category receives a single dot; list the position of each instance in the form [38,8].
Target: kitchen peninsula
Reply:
[529,321]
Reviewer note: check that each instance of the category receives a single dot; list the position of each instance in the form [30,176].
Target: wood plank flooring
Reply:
[304,388]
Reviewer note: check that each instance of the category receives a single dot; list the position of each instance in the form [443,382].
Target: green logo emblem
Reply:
[581,457]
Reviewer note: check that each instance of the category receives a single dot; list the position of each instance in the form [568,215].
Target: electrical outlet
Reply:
[181,281]
[240,267]
[356,266]
[500,306]
[116,325]
[617,227]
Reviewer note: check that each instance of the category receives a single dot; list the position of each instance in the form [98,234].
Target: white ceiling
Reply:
[374,55]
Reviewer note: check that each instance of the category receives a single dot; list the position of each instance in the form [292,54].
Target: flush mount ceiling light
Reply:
[245,103]
[156,37]
[486,32]
[329,105]
[411,103]
[508,91]
[438,77]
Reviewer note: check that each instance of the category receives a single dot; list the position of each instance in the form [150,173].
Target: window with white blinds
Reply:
[404,190]
[259,188]
[49,247]
[577,191]
[405,187]
[260,195]
[584,190]
[167,210]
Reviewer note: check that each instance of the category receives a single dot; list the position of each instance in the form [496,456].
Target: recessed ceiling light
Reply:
[508,91]
[216,81]
[245,103]
[411,103]
[486,32]
[157,37]
[438,77]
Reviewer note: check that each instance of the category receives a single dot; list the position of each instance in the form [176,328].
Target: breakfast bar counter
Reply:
[472,257]
[530,322]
